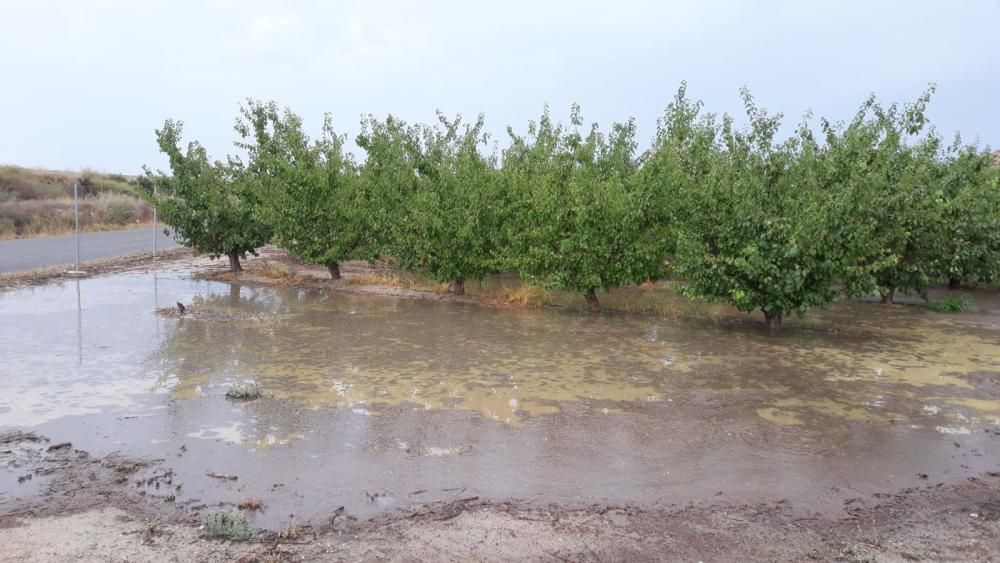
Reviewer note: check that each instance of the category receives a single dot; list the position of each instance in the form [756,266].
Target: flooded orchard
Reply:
[377,404]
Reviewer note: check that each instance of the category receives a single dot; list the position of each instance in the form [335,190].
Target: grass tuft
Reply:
[221,524]
[290,532]
[956,304]
[244,392]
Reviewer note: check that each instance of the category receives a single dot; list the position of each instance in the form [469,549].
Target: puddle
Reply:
[378,398]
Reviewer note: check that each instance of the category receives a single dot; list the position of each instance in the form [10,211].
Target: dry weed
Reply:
[250,503]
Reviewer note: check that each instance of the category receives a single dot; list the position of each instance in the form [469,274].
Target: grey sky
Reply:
[84,83]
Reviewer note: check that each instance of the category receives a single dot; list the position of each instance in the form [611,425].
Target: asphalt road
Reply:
[31,253]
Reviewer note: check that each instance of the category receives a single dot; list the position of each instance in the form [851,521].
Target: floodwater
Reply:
[376,403]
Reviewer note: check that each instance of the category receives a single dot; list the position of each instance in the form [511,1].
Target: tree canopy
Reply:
[307,190]
[580,220]
[883,163]
[970,181]
[453,213]
[753,218]
[729,207]
[210,205]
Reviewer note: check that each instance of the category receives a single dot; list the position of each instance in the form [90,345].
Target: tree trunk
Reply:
[773,322]
[334,270]
[457,287]
[954,283]
[234,261]
[593,304]
[889,298]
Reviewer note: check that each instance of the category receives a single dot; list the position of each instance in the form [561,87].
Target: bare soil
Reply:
[271,267]
[274,266]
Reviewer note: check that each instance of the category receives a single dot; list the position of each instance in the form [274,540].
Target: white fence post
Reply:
[154,221]
[76,215]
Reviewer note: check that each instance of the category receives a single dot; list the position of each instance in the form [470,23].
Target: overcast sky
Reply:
[85,83]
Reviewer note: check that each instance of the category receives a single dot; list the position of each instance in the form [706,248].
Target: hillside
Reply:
[37,202]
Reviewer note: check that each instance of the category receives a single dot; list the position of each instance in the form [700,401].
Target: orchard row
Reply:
[872,205]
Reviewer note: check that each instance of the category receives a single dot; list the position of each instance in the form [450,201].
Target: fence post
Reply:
[154,220]
[76,215]
[76,220]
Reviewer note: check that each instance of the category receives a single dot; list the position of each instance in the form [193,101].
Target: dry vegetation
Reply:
[524,296]
[250,504]
[399,281]
[279,273]
[290,532]
[39,202]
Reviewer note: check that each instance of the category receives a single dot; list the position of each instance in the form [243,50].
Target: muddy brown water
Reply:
[379,404]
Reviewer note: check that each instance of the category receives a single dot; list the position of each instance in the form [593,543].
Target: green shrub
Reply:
[956,304]
[211,204]
[117,208]
[94,183]
[221,524]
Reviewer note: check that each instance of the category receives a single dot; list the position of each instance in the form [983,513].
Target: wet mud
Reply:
[99,509]
[380,412]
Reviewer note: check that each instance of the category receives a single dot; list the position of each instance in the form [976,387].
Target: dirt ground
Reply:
[271,267]
[97,509]
[78,507]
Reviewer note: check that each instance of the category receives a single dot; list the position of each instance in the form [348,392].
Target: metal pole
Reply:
[76,212]
[154,221]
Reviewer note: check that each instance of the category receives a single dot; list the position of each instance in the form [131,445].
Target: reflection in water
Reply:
[79,324]
[407,395]
[365,353]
